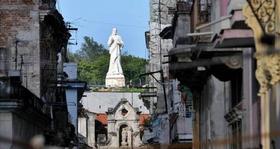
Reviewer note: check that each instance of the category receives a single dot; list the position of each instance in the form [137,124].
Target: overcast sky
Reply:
[96,18]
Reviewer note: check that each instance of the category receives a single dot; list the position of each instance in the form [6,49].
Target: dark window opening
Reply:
[236,88]
[124,112]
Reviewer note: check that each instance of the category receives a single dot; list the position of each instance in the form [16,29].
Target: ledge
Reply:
[10,105]
[231,38]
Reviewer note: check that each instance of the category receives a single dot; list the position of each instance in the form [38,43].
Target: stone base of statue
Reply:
[115,80]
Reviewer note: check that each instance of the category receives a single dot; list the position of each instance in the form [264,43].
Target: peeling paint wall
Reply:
[159,19]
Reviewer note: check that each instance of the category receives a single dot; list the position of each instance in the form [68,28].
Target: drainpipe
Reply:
[16,54]
[52,120]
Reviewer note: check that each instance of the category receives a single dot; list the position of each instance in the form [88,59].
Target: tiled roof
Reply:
[103,118]
[142,118]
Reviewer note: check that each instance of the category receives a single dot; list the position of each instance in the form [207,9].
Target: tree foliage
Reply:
[93,63]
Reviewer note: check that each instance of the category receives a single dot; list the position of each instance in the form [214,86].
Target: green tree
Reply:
[91,49]
[132,68]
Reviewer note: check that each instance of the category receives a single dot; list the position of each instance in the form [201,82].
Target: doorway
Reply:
[123,136]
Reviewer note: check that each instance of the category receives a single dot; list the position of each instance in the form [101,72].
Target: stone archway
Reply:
[123,136]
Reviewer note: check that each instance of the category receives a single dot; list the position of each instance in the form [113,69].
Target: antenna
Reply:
[70,29]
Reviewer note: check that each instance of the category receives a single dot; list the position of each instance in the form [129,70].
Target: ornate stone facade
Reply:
[123,126]
[263,18]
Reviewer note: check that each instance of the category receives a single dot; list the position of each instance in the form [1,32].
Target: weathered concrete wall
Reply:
[18,128]
[5,128]
[214,103]
[183,27]
[19,26]
[159,19]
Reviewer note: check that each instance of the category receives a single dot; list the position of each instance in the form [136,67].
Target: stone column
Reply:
[136,139]
[130,137]
[124,137]
[91,130]
[249,122]
[266,20]
[135,136]
[113,133]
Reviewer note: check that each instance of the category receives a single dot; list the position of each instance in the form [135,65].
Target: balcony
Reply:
[13,96]
[233,32]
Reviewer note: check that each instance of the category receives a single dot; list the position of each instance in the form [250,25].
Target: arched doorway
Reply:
[100,133]
[123,136]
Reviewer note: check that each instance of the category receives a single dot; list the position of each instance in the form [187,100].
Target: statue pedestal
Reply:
[113,80]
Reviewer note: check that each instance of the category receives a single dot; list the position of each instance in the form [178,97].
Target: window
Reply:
[124,111]
[204,8]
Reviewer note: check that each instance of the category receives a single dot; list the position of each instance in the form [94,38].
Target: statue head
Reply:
[114,31]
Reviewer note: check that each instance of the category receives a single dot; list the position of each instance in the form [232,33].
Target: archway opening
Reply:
[123,135]
[100,133]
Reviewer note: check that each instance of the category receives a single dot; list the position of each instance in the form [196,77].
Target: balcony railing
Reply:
[15,96]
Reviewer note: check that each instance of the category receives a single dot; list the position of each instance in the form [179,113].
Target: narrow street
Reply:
[149,74]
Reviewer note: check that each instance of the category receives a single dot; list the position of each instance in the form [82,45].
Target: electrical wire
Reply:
[115,24]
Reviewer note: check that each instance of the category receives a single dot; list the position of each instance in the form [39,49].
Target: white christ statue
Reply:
[115,76]
[115,44]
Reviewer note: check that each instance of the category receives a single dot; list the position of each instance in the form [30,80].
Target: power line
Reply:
[116,24]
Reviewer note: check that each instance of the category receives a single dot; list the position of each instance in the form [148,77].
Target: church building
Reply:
[112,119]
